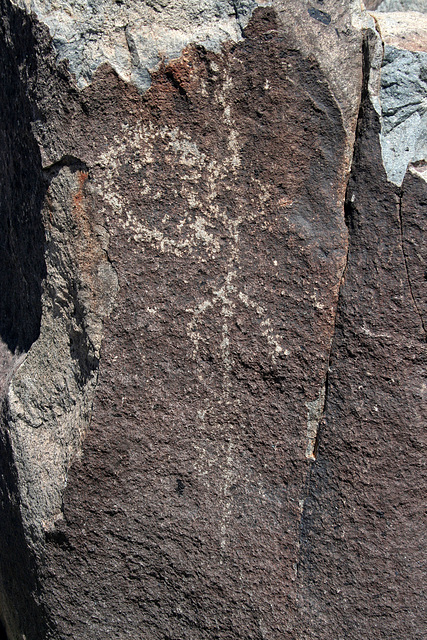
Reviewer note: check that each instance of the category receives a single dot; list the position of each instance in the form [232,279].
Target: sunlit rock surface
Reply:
[212,320]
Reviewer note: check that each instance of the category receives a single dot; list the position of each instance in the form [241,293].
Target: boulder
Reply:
[212,324]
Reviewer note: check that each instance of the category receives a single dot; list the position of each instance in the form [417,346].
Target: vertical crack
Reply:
[405,261]
[316,409]
[322,402]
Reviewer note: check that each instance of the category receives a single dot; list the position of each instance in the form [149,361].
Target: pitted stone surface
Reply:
[223,243]
[402,5]
[212,410]
[219,196]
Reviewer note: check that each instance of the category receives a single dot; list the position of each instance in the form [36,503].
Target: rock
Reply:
[194,311]
[399,5]
[403,91]
[362,525]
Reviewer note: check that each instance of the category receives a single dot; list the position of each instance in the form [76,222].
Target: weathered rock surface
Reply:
[403,94]
[211,357]
[362,569]
[400,5]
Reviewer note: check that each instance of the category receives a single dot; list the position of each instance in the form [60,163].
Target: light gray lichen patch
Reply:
[134,36]
[403,98]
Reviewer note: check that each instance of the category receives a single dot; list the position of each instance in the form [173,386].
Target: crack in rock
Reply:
[405,261]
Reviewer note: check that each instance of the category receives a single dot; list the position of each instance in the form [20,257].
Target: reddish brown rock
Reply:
[162,473]
[361,569]
[228,237]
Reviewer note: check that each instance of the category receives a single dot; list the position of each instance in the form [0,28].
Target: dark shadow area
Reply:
[22,189]
[18,571]
[3,634]
[22,270]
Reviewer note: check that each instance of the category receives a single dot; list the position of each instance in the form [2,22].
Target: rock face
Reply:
[363,517]
[212,321]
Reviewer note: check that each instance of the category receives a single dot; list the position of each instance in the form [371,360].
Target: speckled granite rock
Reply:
[210,357]
[401,5]
[403,93]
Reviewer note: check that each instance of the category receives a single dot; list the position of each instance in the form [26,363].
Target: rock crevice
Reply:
[405,257]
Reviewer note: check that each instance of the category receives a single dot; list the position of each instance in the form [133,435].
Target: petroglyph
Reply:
[195,233]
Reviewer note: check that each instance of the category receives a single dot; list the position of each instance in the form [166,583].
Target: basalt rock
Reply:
[212,320]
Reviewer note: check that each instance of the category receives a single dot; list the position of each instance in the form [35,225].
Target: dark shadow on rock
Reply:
[22,190]
[3,634]
[22,270]
[19,587]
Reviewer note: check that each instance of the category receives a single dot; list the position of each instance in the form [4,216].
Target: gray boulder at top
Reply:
[402,5]
[404,110]
[135,36]
[212,320]
[403,94]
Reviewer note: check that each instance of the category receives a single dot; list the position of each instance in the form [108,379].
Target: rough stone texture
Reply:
[177,237]
[136,38]
[400,5]
[404,113]
[133,36]
[406,31]
[403,93]
[372,4]
[22,270]
[413,228]
[362,554]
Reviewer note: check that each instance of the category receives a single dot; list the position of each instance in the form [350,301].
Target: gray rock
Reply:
[402,5]
[50,395]
[403,91]
[133,36]
[404,110]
